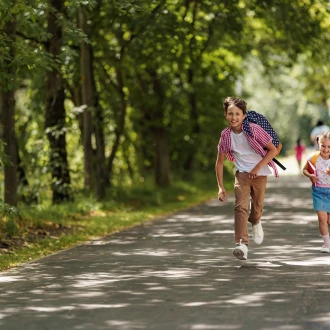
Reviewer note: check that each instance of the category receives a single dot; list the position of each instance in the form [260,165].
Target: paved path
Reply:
[179,274]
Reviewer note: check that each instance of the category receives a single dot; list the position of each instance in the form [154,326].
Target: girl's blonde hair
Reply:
[323,136]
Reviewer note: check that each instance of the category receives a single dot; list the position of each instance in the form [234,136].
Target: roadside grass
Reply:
[44,230]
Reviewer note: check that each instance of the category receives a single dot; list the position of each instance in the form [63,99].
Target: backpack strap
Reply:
[259,119]
[314,157]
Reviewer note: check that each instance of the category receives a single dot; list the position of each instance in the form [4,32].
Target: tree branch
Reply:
[20,34]
[134,35]
[115,85]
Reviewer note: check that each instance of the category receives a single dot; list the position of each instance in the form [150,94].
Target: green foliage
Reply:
[4,160]
[8,210]
[165,66]
[80,3]
[9,216]
[281,96]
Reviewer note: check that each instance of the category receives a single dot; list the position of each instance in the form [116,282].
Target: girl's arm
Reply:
[311,177]
[219,174]
[271,153]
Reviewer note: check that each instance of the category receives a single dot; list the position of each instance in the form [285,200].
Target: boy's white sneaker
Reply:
[257,233]
[241,252]
[325,249]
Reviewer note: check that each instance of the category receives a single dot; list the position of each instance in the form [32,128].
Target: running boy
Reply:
[321,186]
[251,155]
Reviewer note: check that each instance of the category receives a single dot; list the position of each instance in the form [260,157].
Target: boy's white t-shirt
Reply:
[246,158]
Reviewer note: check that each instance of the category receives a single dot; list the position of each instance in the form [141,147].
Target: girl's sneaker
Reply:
[325,249]
[241,251]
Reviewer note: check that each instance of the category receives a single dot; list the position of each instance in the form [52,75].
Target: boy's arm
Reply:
[271,153]
[219,174]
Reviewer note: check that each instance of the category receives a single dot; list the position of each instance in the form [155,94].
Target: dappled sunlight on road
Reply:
[179,273]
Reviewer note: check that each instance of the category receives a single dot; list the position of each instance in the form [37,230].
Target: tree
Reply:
[87,99]
[55,111]
[7,111]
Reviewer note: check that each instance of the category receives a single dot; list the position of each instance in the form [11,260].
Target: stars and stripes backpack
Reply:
[259,119]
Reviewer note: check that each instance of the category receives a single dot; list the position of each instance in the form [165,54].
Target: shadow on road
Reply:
[179,273]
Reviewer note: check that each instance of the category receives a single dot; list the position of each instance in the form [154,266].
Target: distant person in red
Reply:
[299,149]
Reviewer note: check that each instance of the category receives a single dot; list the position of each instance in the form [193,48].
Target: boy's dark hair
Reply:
[239,103]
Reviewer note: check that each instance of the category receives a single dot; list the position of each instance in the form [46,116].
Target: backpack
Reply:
[259,119]
[311,164]
[314,157]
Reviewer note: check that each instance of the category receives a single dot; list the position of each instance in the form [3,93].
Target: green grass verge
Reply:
[86,219]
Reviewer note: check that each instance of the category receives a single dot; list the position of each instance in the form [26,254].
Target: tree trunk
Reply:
[7,106]
[101,175]
[101,178]
[26,196]
[162,171]
[87,98]
[126,154]
[154,118]
[195,130]
[55,112]
[77,100]
[121,122]
[163,162]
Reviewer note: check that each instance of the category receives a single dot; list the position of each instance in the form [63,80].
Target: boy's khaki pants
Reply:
[244,188]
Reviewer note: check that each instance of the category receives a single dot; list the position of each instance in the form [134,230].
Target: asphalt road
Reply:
[179,273]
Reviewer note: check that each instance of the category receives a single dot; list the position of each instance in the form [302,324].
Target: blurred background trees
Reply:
[100,94]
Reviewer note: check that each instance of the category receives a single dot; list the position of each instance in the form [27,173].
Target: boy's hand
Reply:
[222,195]
[327,170]
[254,172]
